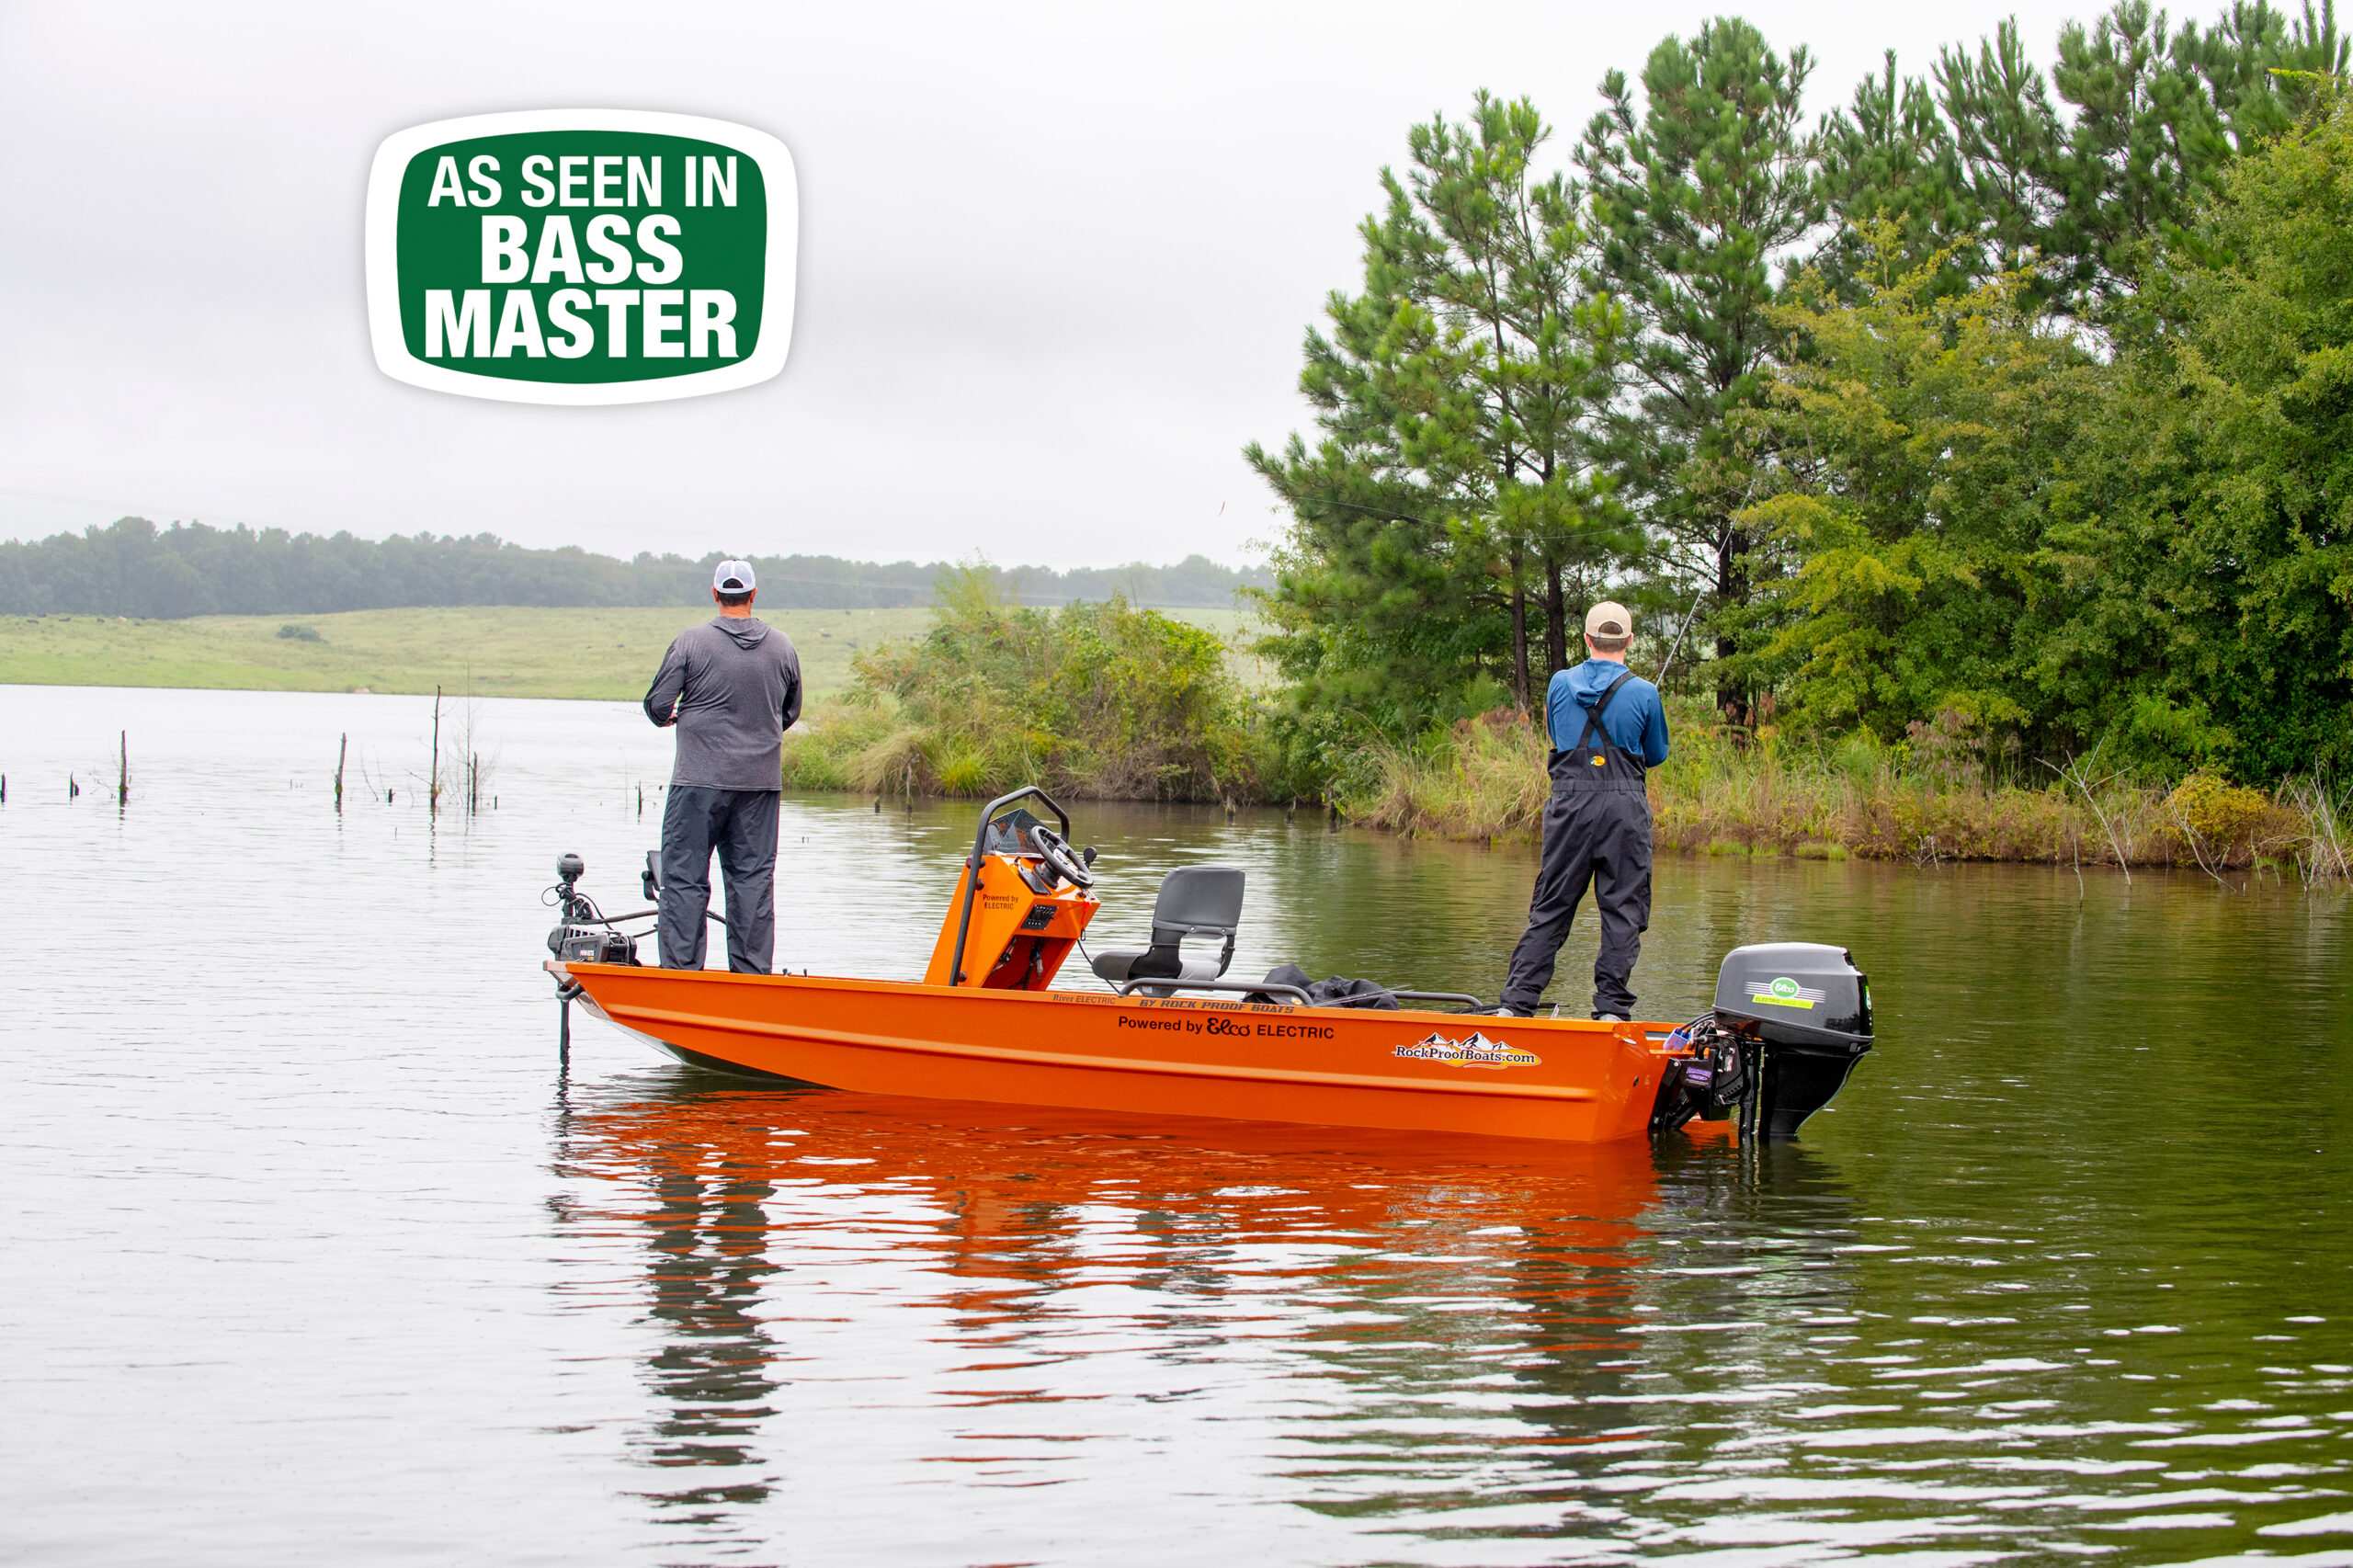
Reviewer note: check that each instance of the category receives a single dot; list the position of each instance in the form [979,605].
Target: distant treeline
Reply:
[133,568]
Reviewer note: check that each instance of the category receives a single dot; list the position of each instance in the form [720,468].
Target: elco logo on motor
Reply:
[581,257]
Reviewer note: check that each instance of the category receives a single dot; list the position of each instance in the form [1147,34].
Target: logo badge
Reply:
[581,257]
[1475,1050]
[1785,992]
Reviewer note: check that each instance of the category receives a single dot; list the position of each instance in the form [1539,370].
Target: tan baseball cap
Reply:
[1609,619]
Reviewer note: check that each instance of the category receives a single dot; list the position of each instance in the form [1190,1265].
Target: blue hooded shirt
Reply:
[1636,721]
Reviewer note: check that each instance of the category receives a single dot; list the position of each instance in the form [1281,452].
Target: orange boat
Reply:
[1170,1034]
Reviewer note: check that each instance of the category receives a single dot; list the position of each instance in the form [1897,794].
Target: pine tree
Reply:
[1889,158]
[1696,196]
[1455,493]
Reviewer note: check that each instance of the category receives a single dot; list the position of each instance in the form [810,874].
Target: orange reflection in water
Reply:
[825,1262]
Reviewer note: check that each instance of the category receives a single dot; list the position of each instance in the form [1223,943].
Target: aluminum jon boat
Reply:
[1170,1034]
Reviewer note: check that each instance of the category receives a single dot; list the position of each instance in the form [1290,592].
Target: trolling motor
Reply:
[1790,1021]
[583,933]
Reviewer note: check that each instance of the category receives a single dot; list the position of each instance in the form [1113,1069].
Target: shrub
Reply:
[1102,700]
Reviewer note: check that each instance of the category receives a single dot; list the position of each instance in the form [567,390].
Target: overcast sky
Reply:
[1054,262]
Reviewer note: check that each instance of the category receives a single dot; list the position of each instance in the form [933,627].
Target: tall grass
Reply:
[1722,792]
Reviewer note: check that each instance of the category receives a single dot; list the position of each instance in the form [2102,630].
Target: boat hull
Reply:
[1563,1080]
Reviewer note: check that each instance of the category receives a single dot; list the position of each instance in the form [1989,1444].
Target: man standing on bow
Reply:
[1609,730]
[733,688]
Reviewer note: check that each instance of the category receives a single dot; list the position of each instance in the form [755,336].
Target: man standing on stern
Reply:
[1609,730]
[733,688]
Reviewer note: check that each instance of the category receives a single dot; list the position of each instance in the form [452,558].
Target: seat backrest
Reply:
[1206,900]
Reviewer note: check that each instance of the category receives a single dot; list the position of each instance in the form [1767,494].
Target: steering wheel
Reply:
[1060,858]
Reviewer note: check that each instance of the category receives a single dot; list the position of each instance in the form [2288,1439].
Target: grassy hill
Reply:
[491,651]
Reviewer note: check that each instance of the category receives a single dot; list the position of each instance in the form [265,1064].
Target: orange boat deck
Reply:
[1559,1079]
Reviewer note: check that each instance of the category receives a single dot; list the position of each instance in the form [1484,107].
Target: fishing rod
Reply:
[1676,646]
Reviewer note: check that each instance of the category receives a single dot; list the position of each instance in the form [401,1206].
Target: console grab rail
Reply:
[972,866]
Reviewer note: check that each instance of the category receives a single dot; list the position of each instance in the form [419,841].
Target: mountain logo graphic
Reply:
[1473,1049]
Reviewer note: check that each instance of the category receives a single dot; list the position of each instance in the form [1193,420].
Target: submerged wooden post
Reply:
[341,752]
[433,787]
[122,787]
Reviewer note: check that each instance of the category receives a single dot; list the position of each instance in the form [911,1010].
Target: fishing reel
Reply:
[581,933]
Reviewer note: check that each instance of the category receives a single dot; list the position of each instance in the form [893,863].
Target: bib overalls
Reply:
[1597,834]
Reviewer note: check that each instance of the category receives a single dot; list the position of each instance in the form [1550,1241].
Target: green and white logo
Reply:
[1785,992]
[581,257]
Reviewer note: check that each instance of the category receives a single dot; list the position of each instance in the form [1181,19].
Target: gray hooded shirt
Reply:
[733,688]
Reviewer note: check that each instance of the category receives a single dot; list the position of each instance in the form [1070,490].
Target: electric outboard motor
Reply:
[1811,1009]
[581,933]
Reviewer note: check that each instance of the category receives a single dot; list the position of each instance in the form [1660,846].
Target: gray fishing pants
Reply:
[740,824]
[1597,839]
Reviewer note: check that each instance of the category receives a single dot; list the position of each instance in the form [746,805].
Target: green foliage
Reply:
[2151,551]
[2075,178]
[1922,438]
[1452,497]
[2220,575]
[1831,797]
[2158,116]
[1891,168]
[293,633]
[1099,700]
[1693,197]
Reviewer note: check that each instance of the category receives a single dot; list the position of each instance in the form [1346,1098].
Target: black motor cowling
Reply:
[1811,1007]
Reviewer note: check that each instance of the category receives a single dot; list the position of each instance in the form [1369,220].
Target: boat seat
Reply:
[1195,900]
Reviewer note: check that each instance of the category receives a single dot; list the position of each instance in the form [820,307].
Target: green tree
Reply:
[1997,105]
[1889,158]
[2212,569]
[2153,116]
[1924,434]
[1453,498]
[1695,196]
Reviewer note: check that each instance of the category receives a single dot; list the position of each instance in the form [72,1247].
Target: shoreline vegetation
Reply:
[1937,797]
[1110,702]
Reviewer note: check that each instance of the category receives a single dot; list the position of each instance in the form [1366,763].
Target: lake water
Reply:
[312,1254]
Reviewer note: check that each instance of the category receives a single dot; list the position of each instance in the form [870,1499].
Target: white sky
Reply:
[1054,265]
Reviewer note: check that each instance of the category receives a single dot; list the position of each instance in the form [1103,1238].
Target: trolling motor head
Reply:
[581,933]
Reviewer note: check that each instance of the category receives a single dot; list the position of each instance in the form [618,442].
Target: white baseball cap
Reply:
[1608,619]
[734,577]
